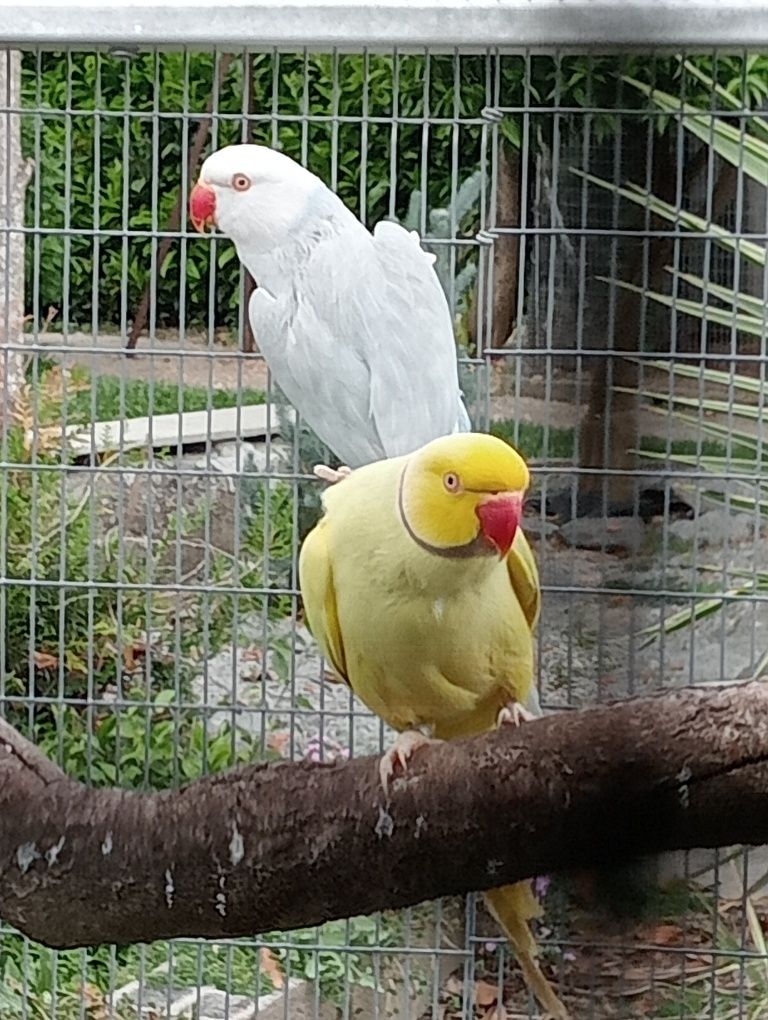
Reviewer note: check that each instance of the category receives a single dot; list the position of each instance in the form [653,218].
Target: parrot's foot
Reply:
[407,742]
[514,714]
[327,474]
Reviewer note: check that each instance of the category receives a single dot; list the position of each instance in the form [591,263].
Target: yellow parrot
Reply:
[422,593]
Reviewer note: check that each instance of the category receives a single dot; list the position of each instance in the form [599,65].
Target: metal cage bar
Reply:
[173,549]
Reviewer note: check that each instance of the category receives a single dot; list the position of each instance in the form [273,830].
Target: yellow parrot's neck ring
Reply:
[478,546]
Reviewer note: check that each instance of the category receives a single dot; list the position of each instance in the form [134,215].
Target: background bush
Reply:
[117,161]
[111,138]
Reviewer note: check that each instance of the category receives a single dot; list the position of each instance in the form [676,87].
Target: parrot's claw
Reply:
[514,714]
[407,742]
[327,474]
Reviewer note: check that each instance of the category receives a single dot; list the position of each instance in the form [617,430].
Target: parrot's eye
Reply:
[240,182]
[451,482]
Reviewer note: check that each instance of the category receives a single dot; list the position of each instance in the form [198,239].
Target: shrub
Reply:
[117,162]
[78,616]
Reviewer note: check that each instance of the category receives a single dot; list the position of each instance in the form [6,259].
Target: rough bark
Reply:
[506,253]
[15,172]
[289,845]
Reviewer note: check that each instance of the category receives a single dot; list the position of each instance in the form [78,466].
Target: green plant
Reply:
[340,953]
[115,162]
[106,398]
[146,743]
[744,145]
[78,618]
[120,167]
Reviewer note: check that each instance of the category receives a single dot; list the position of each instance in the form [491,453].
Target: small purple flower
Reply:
[314,750]
[541,886]
[325,750]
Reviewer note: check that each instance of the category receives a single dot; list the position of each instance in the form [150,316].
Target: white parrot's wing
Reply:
[362,344]
[324,378]
[411,351]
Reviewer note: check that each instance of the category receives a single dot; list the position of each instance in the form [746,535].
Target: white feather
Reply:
[354,326]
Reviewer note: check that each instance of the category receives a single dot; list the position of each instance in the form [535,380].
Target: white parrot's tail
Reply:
[463,422]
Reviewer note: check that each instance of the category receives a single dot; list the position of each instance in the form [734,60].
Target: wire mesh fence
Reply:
[599,227]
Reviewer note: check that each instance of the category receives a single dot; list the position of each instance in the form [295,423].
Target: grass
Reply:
[109,397]
[37,983]
[536,442]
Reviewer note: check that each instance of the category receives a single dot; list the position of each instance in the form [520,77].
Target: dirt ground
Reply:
[192,361]
[197,361]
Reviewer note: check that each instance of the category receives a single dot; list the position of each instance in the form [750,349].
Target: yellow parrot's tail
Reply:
[514,906]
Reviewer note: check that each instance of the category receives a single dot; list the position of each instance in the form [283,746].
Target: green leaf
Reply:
[757,124]
[744,323]
[746,302]
[710,375]
[226,255]
[685,617]
[510,129]
[751,251]
[736,146]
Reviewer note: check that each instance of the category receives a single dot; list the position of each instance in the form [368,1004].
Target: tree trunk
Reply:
[610,428]
[15,172]
[296,844]
[506,253]
[177,213]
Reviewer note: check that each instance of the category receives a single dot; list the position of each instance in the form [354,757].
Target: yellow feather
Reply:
[524,575]
[320,598]
[425,636]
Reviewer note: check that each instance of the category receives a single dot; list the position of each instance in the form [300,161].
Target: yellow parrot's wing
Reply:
[524,575]
[316,580]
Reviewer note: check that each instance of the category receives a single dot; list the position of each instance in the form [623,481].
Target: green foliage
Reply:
[78,616]
[536,442]
[109,397]
[340,953]
[37,982]
[730,419]
[147,744]
[116,164]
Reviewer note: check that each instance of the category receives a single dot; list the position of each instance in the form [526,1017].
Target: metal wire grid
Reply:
[165,604]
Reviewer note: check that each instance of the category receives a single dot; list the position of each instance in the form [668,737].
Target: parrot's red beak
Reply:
[202,206]
[500,517]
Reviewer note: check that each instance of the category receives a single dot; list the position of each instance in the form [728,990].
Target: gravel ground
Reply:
[294,716]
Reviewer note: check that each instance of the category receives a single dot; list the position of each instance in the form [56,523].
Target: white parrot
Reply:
[353,325]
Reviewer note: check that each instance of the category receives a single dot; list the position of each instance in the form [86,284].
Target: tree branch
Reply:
[295,844]
[174,220]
